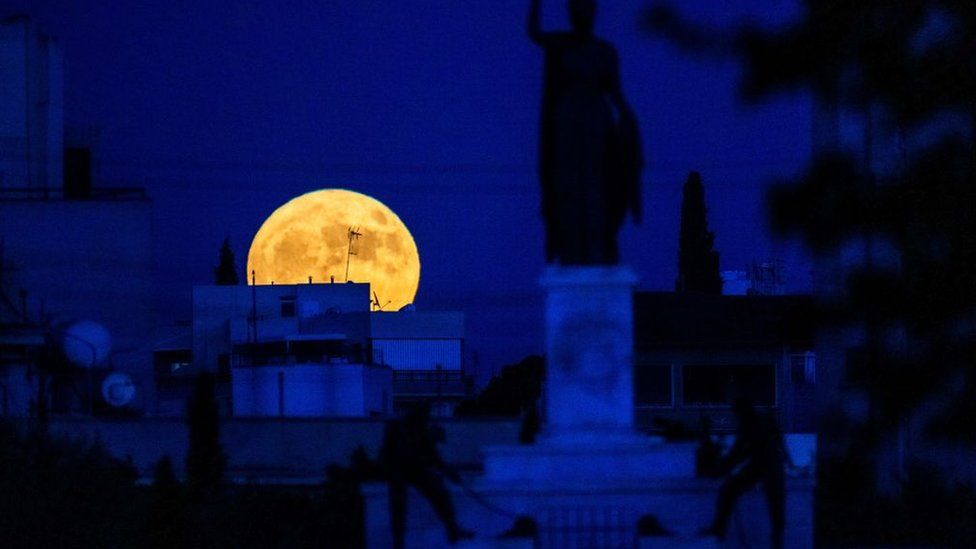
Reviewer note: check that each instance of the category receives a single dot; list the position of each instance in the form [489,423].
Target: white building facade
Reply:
[315,350]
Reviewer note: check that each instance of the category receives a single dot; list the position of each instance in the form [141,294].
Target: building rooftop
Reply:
[668,319]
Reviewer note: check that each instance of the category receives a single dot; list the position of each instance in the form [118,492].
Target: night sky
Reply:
[225,112]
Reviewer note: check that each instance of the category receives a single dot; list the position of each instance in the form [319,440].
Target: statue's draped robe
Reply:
[589,155]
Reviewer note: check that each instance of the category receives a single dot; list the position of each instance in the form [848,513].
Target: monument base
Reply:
[608,460]
[600,515]
[588,398]
[590,480]
[588,392]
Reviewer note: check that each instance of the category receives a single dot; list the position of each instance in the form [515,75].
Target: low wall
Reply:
[277,449]
[603,515]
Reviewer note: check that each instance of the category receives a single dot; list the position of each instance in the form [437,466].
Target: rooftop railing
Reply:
[432,382]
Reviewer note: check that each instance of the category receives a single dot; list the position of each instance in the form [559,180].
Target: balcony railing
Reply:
[445,383]
[248,360]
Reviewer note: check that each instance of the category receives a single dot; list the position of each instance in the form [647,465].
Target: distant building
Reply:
[425,350]
[69,250]
[735,283]
[694,353]
[762,278]
[19,345]
[311,350]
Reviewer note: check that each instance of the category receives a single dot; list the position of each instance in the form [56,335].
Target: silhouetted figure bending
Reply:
[759,449]
[708,454]
[589,147]
[410,458]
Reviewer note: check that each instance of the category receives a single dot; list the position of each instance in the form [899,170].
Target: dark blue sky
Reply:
[226,111]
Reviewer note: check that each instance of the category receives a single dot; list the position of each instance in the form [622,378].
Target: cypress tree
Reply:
[697,261]
[225,273]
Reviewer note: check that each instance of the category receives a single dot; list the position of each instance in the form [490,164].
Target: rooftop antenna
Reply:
[376,303]
[254,307]
[354,235]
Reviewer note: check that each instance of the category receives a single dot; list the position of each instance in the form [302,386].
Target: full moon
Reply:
[311,236]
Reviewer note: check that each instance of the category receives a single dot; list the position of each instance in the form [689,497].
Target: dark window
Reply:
[652,385]
[172,363]
[710,385]
[287,307]
[803,368]
[223,367]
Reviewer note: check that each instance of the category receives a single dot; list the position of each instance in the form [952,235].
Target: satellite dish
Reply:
[86,343]
[118,390]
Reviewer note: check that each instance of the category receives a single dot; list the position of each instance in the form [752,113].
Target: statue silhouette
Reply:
[759,448]
[409,457]
[589,148]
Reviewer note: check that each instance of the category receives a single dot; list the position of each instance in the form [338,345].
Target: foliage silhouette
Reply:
[58,492]
[513,392]
[63,493]
[166,520]
[906,69]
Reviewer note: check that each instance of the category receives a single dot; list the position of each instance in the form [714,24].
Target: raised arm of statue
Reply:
[615,91]
[535,22]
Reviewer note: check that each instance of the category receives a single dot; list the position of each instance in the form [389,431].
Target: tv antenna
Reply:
[377,306]
[354,235]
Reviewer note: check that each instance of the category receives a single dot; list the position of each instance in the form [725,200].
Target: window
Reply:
[172,363]
[713,385]
[652,385]
[287,307]
[223,367]
[803,368]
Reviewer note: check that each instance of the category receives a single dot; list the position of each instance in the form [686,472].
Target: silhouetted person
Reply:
[409,457]
[759,449]
[589,147]
[708,455]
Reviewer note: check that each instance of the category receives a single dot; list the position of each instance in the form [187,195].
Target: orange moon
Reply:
[309,236]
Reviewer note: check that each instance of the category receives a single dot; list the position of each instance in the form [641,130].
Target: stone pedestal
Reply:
[588,432]
[589,354]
